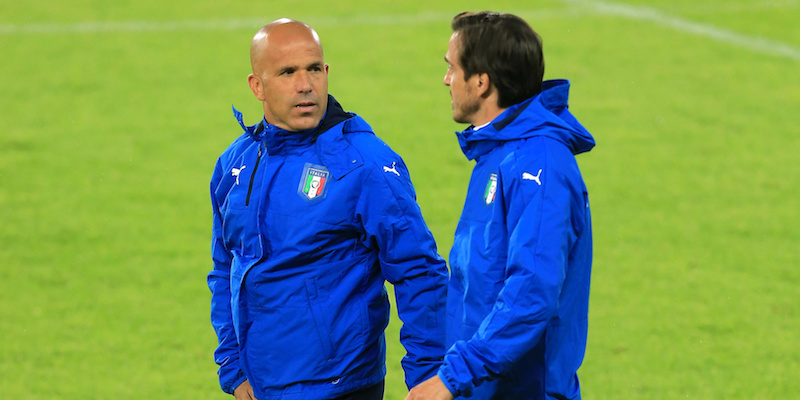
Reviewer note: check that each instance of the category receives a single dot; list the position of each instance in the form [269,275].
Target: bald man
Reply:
[312,214]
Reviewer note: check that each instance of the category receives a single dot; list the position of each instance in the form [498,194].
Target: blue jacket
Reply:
[307,226]
[521,259]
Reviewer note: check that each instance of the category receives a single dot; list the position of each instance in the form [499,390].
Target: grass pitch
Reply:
[112,116]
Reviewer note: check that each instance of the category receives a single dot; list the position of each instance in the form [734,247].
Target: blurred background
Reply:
[112,115]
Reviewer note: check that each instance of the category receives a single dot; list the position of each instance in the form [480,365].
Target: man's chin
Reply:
[460,119]
[305,123]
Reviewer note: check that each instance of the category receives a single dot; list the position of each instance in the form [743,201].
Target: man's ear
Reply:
[483,85]
[256,86]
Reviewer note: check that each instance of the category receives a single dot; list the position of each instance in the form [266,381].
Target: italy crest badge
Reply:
[491,189]
[314,182]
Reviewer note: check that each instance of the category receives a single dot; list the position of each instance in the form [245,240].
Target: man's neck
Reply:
[487,116]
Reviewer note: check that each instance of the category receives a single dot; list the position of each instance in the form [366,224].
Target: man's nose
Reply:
[303,82]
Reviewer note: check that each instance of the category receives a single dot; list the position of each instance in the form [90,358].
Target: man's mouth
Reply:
[306,106]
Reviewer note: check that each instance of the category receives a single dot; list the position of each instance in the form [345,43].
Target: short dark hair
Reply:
[506,48]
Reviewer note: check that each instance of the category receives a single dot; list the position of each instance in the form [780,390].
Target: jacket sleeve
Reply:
[533,222]
[409,260]
[227,353]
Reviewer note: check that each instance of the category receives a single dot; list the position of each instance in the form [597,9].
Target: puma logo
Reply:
[236,171]
[530,177]
[393,169]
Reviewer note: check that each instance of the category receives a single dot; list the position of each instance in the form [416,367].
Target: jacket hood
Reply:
[277,137]
[545,114]
[334,150]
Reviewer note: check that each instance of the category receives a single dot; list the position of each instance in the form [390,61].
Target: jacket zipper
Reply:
[252,177]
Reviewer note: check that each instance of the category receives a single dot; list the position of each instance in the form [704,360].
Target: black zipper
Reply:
[252,177]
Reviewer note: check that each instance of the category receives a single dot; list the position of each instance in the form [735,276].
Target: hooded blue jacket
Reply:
[307,226]
[521,259]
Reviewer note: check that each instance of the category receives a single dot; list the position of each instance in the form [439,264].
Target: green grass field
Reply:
[112,115]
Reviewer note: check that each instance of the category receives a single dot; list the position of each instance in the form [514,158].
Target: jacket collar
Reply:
[545,114]
[334,114]
[334,150]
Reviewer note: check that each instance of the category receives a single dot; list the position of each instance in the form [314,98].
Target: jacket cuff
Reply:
[449,385]
[230,386]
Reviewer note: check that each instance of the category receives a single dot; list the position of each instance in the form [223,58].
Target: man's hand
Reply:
[244,392]
[432,389]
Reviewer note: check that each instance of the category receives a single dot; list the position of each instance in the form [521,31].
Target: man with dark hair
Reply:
[312,213]
[518,296]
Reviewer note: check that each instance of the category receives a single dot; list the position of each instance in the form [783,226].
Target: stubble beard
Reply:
[464,113]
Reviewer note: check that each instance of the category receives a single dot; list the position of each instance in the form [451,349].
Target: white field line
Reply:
[589,7]
[128,26]
[754,43]
[251,23]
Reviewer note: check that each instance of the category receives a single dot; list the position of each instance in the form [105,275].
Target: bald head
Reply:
[282,31]
[289,74]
